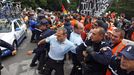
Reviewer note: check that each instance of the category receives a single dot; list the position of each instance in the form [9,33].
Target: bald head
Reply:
[101,31]
[78,27]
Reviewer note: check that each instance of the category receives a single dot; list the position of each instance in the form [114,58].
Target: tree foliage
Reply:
[49,4]
[123,6]
[54,4]
[41,3]
[119,6]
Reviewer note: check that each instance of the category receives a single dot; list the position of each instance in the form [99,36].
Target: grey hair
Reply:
[62,29]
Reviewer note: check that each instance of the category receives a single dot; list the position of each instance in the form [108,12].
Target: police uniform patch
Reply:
[105,48]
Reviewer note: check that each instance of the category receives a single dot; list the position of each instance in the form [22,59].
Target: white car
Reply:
[13,32]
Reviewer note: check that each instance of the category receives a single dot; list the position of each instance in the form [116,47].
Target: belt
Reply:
[56,61]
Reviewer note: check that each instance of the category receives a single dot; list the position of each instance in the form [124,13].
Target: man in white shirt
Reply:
[59,46]
[76,38]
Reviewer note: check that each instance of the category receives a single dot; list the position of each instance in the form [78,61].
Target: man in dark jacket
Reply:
[33,25]
[41,50]
[97,55]
[8,46]
[130,31]
[127,61]
[124,63]
[68,26]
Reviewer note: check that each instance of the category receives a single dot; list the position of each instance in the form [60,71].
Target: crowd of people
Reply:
[93,43]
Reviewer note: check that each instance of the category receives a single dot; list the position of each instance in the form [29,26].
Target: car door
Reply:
[22,26]
[18,31]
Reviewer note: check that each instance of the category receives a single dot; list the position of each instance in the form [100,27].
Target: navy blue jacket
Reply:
[6,45]
[42,48]
[98,61]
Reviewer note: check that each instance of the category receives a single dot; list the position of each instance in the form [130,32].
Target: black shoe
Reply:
[1,67]
[33,65]
[33,41]
[41,72]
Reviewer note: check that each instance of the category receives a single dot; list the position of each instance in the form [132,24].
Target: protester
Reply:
[131,32]
[117,47]
[59,46]
[76,38]
[68,26]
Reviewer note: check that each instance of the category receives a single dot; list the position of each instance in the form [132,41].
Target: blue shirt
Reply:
[58,49]
[76,38]
[32,24]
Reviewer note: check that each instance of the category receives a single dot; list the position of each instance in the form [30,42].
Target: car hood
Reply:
[7,37]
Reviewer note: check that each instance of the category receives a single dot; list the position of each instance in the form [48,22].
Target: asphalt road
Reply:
[19,64]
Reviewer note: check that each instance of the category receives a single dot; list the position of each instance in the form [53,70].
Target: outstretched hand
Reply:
[14,52]
[30,52]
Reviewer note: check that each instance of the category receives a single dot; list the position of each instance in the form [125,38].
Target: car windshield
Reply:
[5,27]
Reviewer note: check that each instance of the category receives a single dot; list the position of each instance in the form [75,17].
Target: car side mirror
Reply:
[17,29]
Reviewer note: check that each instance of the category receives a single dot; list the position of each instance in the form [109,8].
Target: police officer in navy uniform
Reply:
[8,46]
[123,64]
[97,55]
[41,50]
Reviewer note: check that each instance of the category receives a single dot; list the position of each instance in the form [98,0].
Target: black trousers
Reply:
[42,61]
[54,65]
[0,60]
[33,35]
[35,58]
[40,55]
[77,68]
[0,66]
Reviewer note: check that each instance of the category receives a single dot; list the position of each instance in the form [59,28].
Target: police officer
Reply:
[127,61]
[124,62]
[41,50]
[33,25]
[99,53]
[6,45]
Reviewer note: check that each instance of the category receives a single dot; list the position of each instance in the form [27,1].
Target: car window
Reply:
[19,22]
[5,27]
[16,25]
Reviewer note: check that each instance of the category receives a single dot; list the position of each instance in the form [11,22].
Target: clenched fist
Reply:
[30,52]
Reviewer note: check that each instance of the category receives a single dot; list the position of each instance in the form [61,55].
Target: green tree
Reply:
[74,4]
[123,6]
[41,3]
[54,4]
